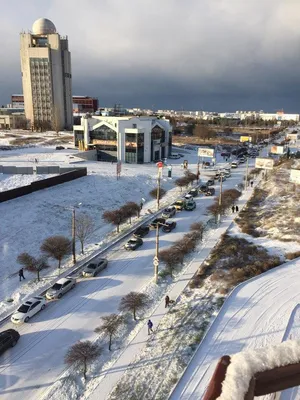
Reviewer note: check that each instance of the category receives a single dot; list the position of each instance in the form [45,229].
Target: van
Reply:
[234,164]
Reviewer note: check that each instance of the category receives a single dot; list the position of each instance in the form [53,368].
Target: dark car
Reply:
[169,226]
[193,192]
[190,205]
[156,221]
[8,339]
[210,182]
[141,231]
[134,243]
[210,191]
[203,188]
[224,154]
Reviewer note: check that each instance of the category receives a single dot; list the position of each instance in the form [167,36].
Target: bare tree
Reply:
[135,208]
[198,227]
[110,326]
[115,217]
[134,302]
[190,176]
[203,131]
[32,264]
[170,258]
[153,193]
[182,182]
[56,247]
[81,354]
[84,227]
[216,210]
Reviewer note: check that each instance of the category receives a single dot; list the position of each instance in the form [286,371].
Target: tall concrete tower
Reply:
[46,76]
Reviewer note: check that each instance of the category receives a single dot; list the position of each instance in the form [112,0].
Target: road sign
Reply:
[155,258]
[156,263]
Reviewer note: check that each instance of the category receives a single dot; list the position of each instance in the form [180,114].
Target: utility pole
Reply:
[220,197]
[247,168]
[158,189]
[156,259]
[73,235]
[198,170]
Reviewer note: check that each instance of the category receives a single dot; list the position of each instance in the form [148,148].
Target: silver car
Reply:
[60,288]
[93,268]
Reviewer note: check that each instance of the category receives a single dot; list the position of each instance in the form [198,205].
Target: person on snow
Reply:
[236,209]
[233,208]
[167,301]
[251,183]
[21,274]
[150,326]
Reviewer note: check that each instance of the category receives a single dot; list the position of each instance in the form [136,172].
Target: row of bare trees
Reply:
[82,353]
[123,214]
[186,180]
[174,255]
[229,198]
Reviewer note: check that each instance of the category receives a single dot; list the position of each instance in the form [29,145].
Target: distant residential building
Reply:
[12,120]
[279,116]
[85,104]
[17,101]
[126,139]
[46,75]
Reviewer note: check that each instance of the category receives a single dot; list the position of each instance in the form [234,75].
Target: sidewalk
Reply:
[111,376]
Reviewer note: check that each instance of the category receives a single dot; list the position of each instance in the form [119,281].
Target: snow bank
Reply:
[247,363]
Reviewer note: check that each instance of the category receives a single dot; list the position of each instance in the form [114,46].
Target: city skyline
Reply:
[210,55]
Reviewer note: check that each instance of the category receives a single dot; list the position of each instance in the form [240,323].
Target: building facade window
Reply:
[103,133]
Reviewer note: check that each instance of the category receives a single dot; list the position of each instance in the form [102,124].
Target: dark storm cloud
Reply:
[194,54]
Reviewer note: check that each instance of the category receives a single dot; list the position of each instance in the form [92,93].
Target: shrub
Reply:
[291,256]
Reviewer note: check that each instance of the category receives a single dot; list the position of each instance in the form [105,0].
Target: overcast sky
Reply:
[222,55]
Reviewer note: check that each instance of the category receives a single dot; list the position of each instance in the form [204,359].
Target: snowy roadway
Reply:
[37,361]
[256,314]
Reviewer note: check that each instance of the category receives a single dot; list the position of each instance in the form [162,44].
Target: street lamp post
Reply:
[247,168]
[158,189]
[74,235]
[156,258]
[220,197]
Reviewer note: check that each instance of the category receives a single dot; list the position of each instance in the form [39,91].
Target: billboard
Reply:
[265,163]
[206,152]
[295,176]
[292,136]
[245,139]
[277,149]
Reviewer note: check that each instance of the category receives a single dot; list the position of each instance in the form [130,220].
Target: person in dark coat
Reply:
[21,274]
[251,183]
[167,301]
[233,208]
[237,209]
[150,326]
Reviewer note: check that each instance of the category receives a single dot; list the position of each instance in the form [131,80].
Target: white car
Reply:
[28,309]
[189,197]
[234,164]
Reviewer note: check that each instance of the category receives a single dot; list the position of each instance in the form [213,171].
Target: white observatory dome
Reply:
[43,26]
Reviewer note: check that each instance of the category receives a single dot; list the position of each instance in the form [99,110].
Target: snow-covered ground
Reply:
[255,315]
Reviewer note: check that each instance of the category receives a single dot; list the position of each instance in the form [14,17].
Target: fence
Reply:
[65,175]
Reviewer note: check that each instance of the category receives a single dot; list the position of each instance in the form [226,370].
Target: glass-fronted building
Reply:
[127,139]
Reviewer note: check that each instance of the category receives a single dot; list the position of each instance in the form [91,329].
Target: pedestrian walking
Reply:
[233,208]
[141,205]
[150,327]
[167,301]
[251,183]
[21,274]
[237,209]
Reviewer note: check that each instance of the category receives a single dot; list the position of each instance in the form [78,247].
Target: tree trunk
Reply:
[134,316]
[59,261]
[81,241]
[109,346]
[38,275]
[118,228]
[84,369]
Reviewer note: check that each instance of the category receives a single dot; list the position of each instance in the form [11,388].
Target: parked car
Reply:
[169,226]
[223,177]
[203,188]
[217,176]
[193,192]
[234,164]
[169,212]
[141,231]
[179,204]
[59,148]
[227,174]
[61,287]
[134,243]
[224,154]
[210,182]
[93,268]
[174,156]
[8,339]
[189,197]
[210,192]
[156,221]
[28,309]
[190,205]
